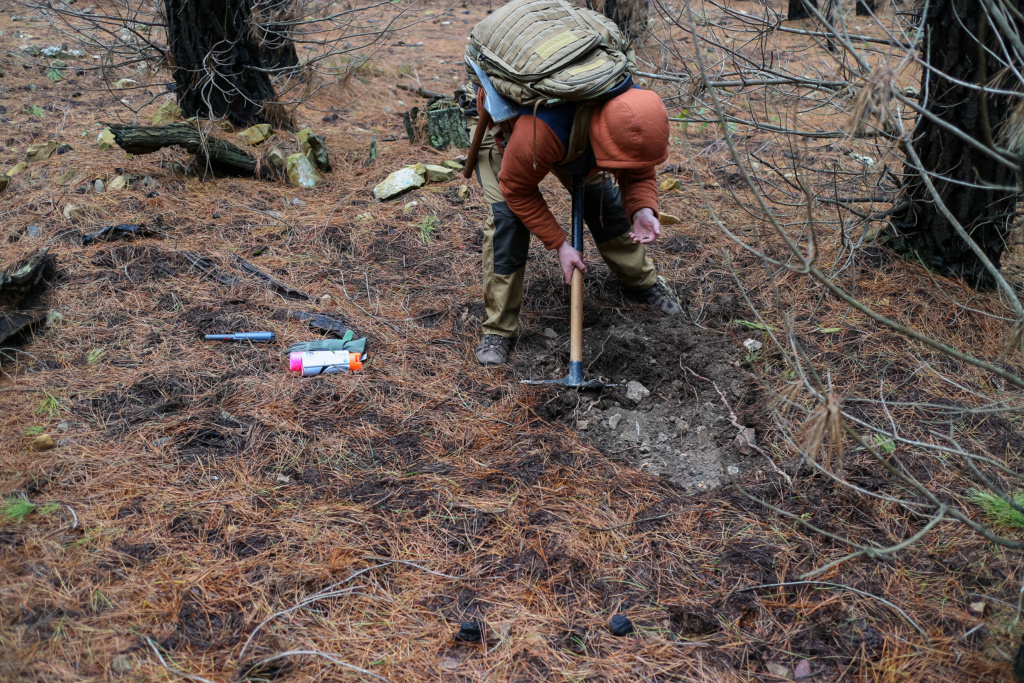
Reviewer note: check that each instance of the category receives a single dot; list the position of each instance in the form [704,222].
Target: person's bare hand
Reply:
[569,259]
[646,227]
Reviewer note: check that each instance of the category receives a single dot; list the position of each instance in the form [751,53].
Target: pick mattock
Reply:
[575,378]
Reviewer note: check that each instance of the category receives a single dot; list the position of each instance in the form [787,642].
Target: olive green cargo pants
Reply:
[506,241]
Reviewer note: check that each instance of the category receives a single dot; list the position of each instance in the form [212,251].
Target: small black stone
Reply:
[216,215]
[151,195]
[620,625]
[64,149]
[469,632]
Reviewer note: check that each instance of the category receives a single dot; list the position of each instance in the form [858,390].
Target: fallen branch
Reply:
[222,157]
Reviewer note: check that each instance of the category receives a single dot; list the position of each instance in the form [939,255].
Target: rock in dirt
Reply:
[121,664]
[636,392]
[745,442]
[550,333]
[780,671]
[410,208]
[614,420]
[469,632]
[254,135]
[463,192]
[620,625]
[73,212]
[16,169]
[4,181]
[105,140]
[453,165]
[314,149]
[439,174]
[300,172]
[669,184]
[43,442]
[752,345]
[275,158]
[668,219]
[976,609]
[399,182]
[802,670]
[40,152]
[118,183]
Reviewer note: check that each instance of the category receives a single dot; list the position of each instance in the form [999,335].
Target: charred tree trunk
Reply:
[800,9]
[865,8]
[218,63]
[629,15]
[277,50]
[977,188]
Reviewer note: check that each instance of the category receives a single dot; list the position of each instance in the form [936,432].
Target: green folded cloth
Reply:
[346,343]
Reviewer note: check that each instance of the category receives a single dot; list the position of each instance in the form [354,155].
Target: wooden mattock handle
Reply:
[576,318]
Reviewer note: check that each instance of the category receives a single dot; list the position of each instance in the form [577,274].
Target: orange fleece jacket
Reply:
[618,147]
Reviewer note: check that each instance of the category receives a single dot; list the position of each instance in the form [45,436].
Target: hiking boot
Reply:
[493,349]
[661,297]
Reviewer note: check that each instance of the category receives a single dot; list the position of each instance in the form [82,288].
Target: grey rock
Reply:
[398,182]
[160,442]
[550,333]
[33,231]
[63,427]
[582,425]
[31,87]
[300,172]
[98,185]
[636,392]
[703,436]
[121,664]
[732,470]
[297,202]
[150,183]
[439,174]
[614,421]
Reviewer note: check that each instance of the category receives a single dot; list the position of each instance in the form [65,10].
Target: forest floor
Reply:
[207,514]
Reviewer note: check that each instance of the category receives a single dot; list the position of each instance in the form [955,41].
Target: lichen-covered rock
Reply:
[118,183]
[167,113]
[400,181]
[74,213]
[669,184]
[313,147]
[452,164]
[17,168]
[439,174]
[300,171]
[4,180]
[275,158]
[668,219]
[254,135]
[40,152]
[105,140]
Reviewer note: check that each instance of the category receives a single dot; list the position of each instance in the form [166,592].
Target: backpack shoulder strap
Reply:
[579,138]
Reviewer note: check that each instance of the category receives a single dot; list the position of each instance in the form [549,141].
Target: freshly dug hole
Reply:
[683,430]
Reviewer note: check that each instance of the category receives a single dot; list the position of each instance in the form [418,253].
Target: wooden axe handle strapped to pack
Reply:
[482,124]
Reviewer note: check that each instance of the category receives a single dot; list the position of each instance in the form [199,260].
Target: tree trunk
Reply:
[217,60]
[629,15]
[277,50]
[977,189]
[865,8]
[798,9]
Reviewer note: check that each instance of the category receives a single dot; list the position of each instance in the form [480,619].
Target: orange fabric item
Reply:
[629,135]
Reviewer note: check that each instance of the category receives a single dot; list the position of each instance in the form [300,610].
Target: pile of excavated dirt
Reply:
[680,402]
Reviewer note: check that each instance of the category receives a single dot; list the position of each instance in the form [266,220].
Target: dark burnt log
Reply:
[220,156]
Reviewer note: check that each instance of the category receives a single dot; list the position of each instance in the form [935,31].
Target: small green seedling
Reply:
[428,229]
[997,509]
[17,509]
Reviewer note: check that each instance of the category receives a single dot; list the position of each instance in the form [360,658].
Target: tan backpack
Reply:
[545,52]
